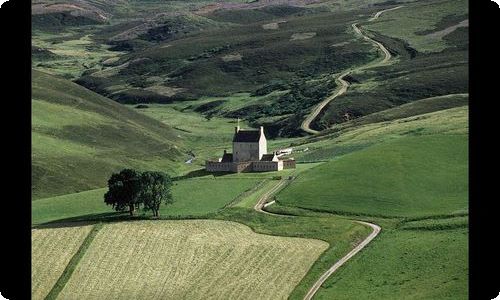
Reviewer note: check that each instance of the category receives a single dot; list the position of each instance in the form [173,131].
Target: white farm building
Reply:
[249,155]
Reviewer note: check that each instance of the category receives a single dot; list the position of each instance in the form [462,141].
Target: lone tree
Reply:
[124,189]
[155,189]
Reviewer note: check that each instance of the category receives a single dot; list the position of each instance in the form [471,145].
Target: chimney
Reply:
[236,129]
[261,129]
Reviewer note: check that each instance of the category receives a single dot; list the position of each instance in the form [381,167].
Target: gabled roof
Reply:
[247,136]
[267,157]
[227,157]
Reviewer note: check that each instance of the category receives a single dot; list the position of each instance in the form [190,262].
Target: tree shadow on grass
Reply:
[109,217]
[200,173]
[90,219]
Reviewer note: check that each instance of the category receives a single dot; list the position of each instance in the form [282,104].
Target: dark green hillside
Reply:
[298,56]
[56,21]
[40,54]
[424,65]
[238,59]
[80,137]
[247,16]
[414,108]
[411,176]
[426,75]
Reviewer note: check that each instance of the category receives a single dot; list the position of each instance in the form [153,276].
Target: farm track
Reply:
[343,260]
[340,81]
[262,203]
[262,200]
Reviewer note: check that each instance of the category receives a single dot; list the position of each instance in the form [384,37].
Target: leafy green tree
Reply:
[123,190]
[155,188]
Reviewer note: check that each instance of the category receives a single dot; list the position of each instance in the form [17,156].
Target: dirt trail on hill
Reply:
[262,203]
[262,200]
[341,82]
[329,272]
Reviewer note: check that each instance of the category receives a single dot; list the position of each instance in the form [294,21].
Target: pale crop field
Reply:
[51,250]
[190,259]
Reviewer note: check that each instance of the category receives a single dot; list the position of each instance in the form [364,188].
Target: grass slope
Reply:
[79,138]
[407,264]
[52,249]
[351,136]
[418,107]
[198,259]
[409,176]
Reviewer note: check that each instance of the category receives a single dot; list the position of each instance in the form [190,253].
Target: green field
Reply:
[405,265]
[411,176]
[52,249]
[193,197]
[199,259]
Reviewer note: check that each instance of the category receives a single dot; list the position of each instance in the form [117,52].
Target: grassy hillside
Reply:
[79,138]
[349,137]
[409,176]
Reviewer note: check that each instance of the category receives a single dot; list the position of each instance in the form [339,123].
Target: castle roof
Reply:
[247,136]
[267,157]
[227,157]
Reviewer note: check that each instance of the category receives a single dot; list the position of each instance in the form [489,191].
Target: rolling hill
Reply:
[409,176]
[79,138]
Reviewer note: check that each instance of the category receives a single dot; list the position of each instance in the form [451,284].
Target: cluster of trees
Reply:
[129,189]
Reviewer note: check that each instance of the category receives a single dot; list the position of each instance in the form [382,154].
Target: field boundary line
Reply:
[72,264]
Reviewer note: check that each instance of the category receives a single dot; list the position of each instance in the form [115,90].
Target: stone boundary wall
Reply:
[249,166]
[265,166]
[241,167]
[289,164]
[215,166]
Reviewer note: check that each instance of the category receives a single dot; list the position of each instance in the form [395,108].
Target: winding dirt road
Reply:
[262,203]
[343,86]
[329,272]
[341,82]
[263,199]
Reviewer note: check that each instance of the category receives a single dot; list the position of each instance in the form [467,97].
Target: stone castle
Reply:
[249,155]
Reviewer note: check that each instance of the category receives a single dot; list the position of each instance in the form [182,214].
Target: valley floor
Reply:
[377,207]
